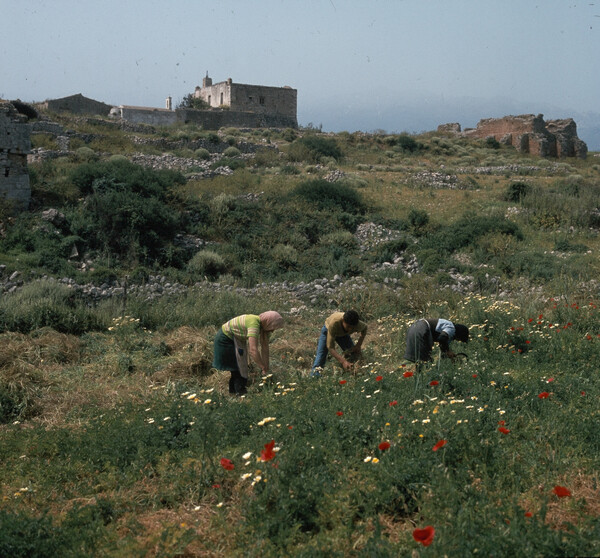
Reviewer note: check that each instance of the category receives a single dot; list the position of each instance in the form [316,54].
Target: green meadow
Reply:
[118,438]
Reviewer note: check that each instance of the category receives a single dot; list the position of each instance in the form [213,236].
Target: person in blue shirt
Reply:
[425,332]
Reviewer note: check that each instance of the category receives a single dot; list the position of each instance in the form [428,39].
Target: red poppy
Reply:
[540,316]
[439,445]
[290,427]
[474,375]
[408,374]
[379,378]
[342,382]
[501,422]
[424,536]
[530,320]
[527,342]
[216,486]
[588,337]
[339,413]
[528,514]
[561,491]
[503,430]
[393,403]
[267,454]
[544,395]
[583,394]
[384,445]
[549,380]
[227,464]
[433,383]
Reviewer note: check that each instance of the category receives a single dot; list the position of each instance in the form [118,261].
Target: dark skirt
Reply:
[419,342]
[224,353]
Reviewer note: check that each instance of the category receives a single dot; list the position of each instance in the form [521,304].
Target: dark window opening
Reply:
[6,170]
[261,100]
[221,98]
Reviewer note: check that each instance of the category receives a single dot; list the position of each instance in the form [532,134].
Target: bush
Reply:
[202,154]
[331,196]
[232,152]
[126,211]
[232,163]
[418,219]
[516,191]
[467,231]
[387,251]
[313,148]
[86,154]
[206,263]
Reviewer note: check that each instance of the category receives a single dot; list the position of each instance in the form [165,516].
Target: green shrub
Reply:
[206,263]
[345,239]
[285,256]
[232,152]
[313,149]
[516,191]
[232,163]
[387,251]
[331,196]
[492,142]
[418,219]
[202,154]
[86,154]
[467,231]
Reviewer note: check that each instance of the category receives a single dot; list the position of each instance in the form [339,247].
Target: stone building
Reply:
[15,144]
[278,104]
[76,104]
[531,134]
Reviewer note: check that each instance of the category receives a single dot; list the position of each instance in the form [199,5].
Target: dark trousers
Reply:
[237,383]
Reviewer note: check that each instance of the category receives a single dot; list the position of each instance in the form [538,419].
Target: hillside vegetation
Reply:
[119,439]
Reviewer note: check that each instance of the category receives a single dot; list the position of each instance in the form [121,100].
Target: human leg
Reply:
[322,351]
[237,383]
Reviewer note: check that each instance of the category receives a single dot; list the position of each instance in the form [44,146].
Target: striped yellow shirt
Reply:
[242,327]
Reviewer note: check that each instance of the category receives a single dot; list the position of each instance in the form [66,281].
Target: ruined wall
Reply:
[145,115]
[76,104]
[215,119]
[15,143]
[531,134]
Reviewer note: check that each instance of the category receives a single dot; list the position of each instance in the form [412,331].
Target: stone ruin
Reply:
[15,144]
[529,134]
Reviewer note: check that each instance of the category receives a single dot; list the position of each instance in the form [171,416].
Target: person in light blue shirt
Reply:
[425,332]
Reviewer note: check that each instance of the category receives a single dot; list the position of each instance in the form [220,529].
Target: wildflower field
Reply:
[118,439]
[495,455]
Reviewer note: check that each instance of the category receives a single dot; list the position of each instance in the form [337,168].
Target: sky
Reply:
[393,65]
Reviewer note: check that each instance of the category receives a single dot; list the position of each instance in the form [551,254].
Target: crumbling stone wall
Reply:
[531,134]
[15,144]
[215,119]
[144,115]
[76,104]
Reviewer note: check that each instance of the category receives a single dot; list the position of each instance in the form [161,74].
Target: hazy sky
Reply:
[398,65]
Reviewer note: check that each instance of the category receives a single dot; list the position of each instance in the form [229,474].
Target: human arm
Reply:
[346,365]
[358,347]
[262,362]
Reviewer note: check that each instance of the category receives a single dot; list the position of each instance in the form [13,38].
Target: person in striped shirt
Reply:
[248,333]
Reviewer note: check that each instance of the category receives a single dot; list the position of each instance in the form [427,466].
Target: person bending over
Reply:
[337,330]
[425,332]
[240,336]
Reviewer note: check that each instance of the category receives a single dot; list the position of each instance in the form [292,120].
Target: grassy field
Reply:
[118,439]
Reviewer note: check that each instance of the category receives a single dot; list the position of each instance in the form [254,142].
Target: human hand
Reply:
[347,366]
